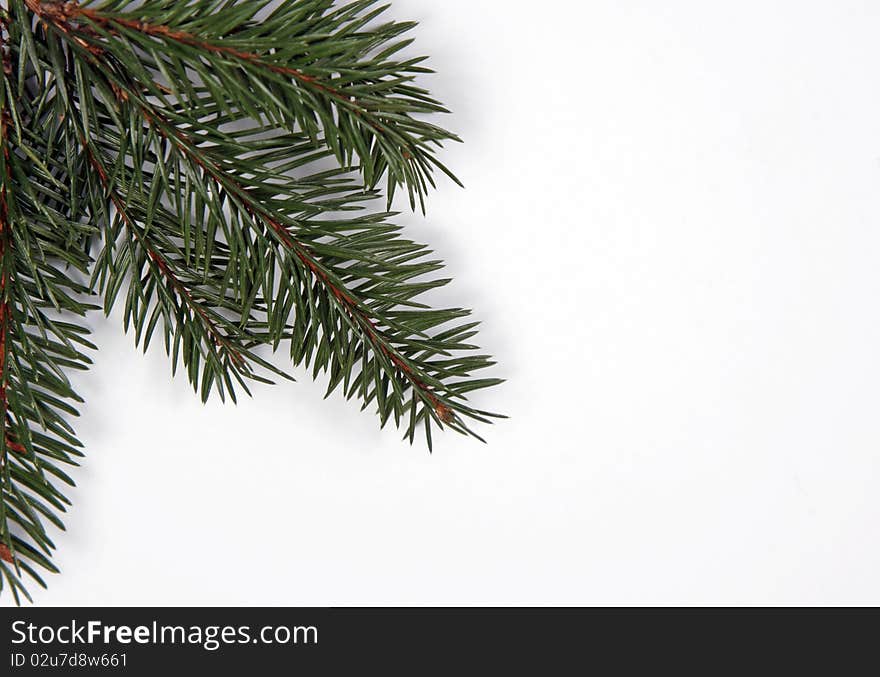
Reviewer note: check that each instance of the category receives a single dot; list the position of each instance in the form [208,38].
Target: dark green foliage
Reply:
[212,165]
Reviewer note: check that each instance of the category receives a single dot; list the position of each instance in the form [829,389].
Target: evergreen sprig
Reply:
[212,165]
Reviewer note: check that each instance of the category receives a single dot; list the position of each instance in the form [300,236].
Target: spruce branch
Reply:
[348,85]
[40,228]
[221,161]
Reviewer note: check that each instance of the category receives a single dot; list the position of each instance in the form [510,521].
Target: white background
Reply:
[670,230]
